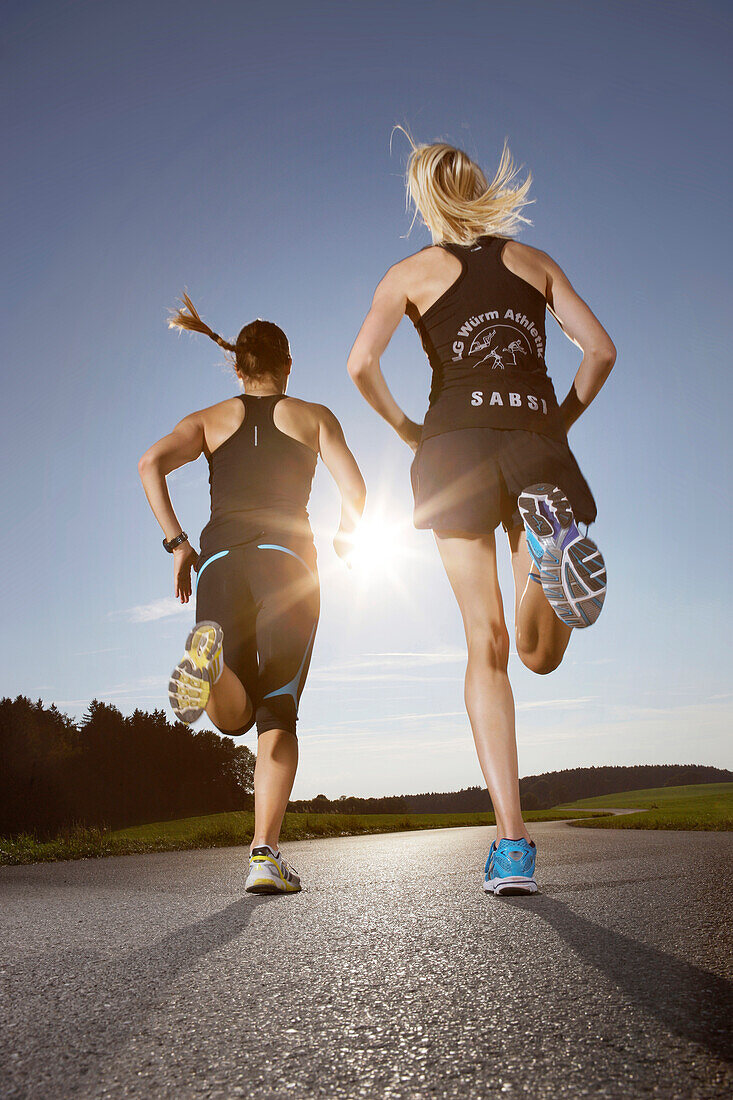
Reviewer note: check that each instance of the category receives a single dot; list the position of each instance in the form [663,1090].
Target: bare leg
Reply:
[471,567]
[229,706]
[277,760]
[542,638]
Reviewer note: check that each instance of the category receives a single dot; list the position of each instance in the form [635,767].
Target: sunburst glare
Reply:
[379,547]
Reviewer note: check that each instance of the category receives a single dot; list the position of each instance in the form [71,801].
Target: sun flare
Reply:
[379,546]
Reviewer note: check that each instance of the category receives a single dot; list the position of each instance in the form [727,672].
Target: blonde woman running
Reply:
[257,594]
[493,448]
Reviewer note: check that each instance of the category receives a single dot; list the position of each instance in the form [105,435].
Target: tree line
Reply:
[111,770]
[537,792]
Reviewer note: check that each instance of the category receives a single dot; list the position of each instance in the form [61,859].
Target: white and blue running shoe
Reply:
[510,868]
[570,565]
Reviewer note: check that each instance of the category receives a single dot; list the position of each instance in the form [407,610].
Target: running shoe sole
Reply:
[572,571]
[268,886]
[189,687]
[510,886]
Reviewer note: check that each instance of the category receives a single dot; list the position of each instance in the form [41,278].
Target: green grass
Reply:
[697,806]
[225,830]
[700,806]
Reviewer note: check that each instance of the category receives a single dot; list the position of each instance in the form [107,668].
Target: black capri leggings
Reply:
[266,598]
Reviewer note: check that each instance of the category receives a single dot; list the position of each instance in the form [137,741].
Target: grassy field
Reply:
[224,830]
[702,806]
[699,806]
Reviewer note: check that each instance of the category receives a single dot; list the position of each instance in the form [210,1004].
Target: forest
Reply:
[111,770]
[114,770]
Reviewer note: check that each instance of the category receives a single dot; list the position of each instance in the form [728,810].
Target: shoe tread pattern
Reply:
[575,584]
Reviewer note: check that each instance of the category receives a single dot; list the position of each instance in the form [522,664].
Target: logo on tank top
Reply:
[504,346]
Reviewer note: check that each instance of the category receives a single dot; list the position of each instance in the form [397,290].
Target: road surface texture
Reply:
[390,976]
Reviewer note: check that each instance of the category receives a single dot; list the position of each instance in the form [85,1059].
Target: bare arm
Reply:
[580,325]
[387,310]
[184,444]
[342,466]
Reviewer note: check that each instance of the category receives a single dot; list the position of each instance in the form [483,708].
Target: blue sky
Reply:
[245,155]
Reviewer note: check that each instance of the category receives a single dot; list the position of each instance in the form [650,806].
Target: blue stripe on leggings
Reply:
[221,554]
[292,689]
[285,550]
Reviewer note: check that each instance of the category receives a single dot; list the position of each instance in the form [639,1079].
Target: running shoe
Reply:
[537,554]
[489,867]
[270,874]
[571,567]
[200,667]
[510,868]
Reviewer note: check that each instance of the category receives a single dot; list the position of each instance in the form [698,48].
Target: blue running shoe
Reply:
[536,553]
[510,868]
[489,867]
[572,570]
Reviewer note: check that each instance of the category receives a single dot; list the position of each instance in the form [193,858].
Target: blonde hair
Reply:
[262,349]
[456,201]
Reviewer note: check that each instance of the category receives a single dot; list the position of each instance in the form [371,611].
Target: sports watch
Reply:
[170,546]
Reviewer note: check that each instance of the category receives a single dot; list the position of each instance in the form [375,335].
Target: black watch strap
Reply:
[170,546]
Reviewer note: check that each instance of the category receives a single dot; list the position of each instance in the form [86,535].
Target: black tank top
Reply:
[485,339]
[260,481]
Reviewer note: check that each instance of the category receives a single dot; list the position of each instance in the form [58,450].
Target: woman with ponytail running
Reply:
[493,448]
[257,593]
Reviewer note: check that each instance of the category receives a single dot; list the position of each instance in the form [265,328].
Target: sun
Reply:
[379,547]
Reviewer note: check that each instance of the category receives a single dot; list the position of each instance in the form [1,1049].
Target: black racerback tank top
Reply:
[485,340]
[260,480]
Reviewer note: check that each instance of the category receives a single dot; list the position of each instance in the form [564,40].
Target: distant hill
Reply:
[538,792]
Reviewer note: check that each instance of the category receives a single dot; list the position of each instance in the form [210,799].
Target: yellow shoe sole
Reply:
[268,886]
[189,687]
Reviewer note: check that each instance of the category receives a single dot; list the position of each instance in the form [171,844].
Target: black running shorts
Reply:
[266,598]
[466,482]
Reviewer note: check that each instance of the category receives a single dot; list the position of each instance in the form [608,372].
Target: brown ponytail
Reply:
[261,351]
[187,317]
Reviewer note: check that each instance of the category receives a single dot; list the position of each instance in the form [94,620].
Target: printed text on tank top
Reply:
[485,340]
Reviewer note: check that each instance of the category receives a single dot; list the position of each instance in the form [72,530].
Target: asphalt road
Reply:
[390,976]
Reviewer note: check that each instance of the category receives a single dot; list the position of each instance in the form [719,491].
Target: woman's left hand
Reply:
[184,558]
[411,433]
[343,544]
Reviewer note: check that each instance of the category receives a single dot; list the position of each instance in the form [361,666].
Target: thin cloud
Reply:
[373,660]
[388,720]
[442,656]
[368,744]
[386,666]
[163,608]
[545,704]
[142,690]
[423,719]
[94,652]
[631,712]
[650,727]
